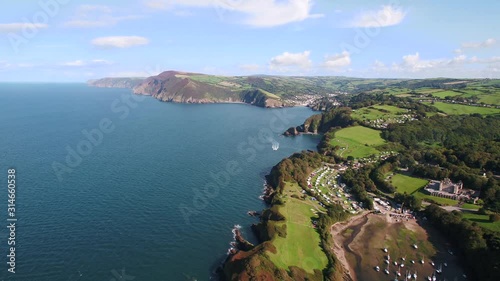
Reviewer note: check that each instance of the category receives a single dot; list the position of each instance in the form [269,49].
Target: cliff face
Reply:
[259,98]
[173,86]
[310,126]
[321,123]
[127,83]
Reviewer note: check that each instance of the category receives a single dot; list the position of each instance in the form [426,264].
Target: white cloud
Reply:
[379,66]
[92,63]
[250,67]
[458,66]
[475,45]
[289,61]
[386,16]
[88,16]
[15,27]
[337,61]
[260,13]
[485,60]
[119,41]
[94,8]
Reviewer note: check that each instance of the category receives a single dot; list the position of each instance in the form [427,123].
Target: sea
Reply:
[113,186]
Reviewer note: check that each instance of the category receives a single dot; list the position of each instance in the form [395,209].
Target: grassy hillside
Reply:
[300,247]
[357,141]
[457,109]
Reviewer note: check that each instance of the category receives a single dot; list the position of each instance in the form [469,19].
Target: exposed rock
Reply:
[180,87]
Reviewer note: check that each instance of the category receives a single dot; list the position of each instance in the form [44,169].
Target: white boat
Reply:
[386,271]
[415,246]
[377,268]
[385,250]
[415,275]
[276,145]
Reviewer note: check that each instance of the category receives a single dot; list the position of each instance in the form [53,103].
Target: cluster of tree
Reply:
[480,247]
[473,99]
[334,213]
[462,148]
[321,123]
[295,168]
[366,100]
[378,176]
[408,201]
[439,83]
[360,182]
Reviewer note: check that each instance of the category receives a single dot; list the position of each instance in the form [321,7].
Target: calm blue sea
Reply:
[110,187]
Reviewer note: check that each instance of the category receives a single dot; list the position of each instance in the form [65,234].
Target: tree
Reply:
[494,217]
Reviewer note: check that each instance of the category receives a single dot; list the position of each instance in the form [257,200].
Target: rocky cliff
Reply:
[181,87]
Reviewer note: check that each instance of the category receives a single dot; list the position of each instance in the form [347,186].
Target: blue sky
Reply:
[70,40]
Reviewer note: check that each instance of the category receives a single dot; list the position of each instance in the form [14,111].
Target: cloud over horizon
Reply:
[119,41]
[337,61]
[290,61]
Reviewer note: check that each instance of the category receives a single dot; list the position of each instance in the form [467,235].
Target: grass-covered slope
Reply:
[291,247]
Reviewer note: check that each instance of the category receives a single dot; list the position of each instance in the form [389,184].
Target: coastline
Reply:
[285,104]
[264,261]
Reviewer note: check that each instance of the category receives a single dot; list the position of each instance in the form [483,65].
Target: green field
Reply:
[270,95]
[482,220]
[408,184]
[375,112]
[470,206]
[301,247]
[357,141]
[457,109]
[490,99]
[210,79]
[414,186]
[439,200]
[443,94]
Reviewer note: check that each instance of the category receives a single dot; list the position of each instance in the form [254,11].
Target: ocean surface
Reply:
[112,186]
